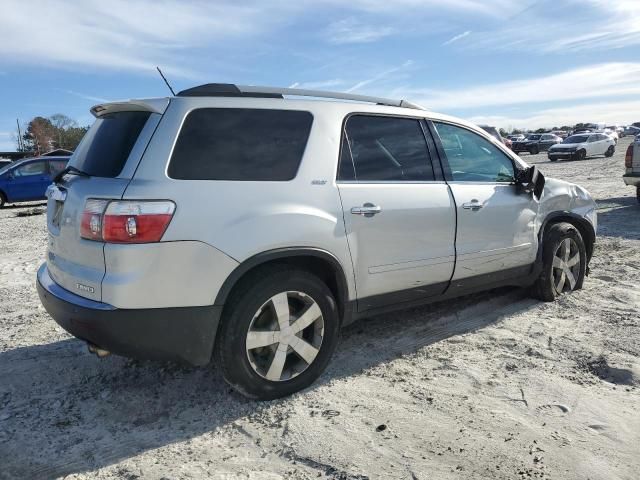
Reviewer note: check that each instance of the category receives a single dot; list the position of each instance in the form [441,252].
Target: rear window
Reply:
[240,144]
[106,146]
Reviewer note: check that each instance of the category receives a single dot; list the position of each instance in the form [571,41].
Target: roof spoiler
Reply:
[232,90]
[153,105]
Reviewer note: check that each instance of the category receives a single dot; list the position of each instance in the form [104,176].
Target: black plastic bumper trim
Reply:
[183,334]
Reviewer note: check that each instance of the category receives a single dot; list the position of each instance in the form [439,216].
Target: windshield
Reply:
[5,168]
[533,137]
[576,139]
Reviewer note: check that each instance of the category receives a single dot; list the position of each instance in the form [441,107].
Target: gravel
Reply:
[494,385]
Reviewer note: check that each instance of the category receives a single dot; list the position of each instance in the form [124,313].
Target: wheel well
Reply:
[583,226]
[325,267]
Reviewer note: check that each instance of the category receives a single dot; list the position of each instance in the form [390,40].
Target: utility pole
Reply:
[20,144]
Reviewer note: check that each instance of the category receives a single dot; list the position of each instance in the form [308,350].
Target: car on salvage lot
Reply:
[27,180]
[632,166]
[250,224]
[535,143]
[581,146]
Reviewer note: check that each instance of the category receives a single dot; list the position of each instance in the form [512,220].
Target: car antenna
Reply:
[165,81]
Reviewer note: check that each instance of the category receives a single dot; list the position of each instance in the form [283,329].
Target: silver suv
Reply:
[249,224]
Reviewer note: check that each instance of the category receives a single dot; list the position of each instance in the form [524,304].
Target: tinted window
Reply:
[346,169]
[240,144]
[473,158]
[386,149]
[576,139]
[32,168]
[106,146]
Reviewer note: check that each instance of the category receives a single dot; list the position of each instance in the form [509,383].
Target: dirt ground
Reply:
[494,385]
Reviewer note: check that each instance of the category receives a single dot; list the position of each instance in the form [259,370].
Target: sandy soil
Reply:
[489,386]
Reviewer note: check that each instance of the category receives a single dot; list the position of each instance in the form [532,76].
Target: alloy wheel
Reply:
[285,336]
[566,266]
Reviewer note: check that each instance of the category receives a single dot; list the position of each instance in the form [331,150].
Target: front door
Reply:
[29,181]
[399,218]
[496,223]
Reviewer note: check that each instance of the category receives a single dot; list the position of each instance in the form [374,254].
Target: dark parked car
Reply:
[4,163]
[536,143]
[27,180]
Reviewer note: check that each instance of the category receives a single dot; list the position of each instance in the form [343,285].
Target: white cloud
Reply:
[121,35]
[601,80]
[318,85]
[85,96]
[564,27]
[136,36]
[457,37]
[353,31]
[609,112]
[379,76]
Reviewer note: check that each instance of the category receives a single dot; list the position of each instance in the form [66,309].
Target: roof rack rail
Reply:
[231,90]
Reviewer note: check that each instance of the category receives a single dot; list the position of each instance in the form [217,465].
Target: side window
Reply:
[241,144]
[472,158]
[33,168]
[346,170]
[385,149]
[56,166]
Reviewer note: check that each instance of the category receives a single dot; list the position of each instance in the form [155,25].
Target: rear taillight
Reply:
[126,221]
[628,158]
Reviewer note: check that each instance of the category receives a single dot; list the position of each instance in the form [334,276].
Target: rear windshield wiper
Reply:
[69,169]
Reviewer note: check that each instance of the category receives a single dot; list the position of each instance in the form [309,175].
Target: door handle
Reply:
[366,210]
[472,205]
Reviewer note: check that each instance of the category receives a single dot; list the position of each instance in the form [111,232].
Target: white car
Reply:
[583,145]
[249,224]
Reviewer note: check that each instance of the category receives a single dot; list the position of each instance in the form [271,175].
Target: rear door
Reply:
[399,214]
[495,236]
[109,154]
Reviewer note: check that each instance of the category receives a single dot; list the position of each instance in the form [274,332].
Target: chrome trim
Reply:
[367,210]
[65,295]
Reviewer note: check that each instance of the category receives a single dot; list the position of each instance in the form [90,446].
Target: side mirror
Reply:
[530,180]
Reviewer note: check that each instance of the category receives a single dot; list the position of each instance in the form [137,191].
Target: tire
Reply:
[556,264]
[3,200]
[534,150]
[252,309]
[581,155]
[551,159]
[610,151]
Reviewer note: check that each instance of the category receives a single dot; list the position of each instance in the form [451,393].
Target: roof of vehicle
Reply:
[158,105]
[30,159]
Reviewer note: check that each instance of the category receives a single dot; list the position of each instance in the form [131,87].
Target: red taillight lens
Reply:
[628,158]
[91,222]
[127,221]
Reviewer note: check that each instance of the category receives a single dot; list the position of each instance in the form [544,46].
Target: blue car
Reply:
[27,180]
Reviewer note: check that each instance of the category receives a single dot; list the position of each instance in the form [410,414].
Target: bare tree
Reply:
[61,124]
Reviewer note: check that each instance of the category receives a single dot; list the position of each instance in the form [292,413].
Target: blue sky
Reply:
[509,63]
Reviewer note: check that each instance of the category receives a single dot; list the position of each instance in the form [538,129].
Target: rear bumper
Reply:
[184,334]
[632,179]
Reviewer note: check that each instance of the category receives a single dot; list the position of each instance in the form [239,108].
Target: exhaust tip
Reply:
[101,353]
